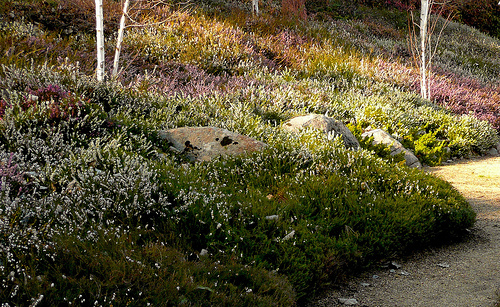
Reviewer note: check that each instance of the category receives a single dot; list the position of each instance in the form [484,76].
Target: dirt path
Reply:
[465,274]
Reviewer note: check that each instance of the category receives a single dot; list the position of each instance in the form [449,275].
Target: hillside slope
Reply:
[96,207]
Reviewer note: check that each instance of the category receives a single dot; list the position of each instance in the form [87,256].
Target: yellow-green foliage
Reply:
[184,38]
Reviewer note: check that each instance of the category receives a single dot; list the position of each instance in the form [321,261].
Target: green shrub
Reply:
[426,145]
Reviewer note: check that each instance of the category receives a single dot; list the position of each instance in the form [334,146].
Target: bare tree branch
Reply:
[139,6]
[421,47]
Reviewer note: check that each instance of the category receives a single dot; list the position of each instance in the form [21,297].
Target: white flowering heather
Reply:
[21,29]
[97,209]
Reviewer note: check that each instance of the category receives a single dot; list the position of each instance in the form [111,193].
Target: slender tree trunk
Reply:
[99,40]
[255,7]
[120,39]
[424,18]
[423,47]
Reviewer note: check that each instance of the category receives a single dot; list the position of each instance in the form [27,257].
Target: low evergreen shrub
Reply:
[96,209]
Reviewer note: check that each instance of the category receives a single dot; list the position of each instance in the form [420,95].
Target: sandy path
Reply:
[465,274]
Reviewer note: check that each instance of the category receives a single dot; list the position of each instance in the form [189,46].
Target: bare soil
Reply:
[460,274]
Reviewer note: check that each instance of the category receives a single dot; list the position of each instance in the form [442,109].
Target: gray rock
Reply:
[206,143]
[328,125]
[382,137]
[348,301]
[498,146]
[394,265]
[492,152]
[272,217]
[289,235]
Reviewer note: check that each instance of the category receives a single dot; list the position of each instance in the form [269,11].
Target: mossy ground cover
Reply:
[96,209]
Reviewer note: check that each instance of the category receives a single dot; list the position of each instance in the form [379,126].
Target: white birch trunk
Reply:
[99,40]
[255,7]
[424,17]
[120,39]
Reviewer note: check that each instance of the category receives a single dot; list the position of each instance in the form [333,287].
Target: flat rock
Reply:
[206,143]
[348,301]
[325,124]
[382,137]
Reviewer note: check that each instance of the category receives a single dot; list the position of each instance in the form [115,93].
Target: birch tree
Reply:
[424,42]
[423,46]
[100,71]
[255,7]
[119,40]
[139,6]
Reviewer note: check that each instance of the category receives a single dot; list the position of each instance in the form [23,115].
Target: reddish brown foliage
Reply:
[294,8]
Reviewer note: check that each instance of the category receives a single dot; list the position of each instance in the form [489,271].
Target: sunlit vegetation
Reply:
[95,209]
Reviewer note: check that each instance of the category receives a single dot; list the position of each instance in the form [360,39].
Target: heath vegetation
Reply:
[95,209]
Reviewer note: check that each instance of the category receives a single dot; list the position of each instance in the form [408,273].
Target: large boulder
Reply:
[382,137]
[205,143]
[323,123]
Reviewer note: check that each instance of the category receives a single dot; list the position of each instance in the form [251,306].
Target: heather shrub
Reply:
[331,9]
[21,37]
[161,275]
[66,75]
[468,53]
[213,46]
[12,181]
[480,133]
[96,209]
[427,146]
[3,106]
[185,80]
[118,188]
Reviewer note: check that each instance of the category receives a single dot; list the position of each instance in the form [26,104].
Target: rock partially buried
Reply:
[382,137]
[326,124]
[348,301]
[206,143]
[492,152]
